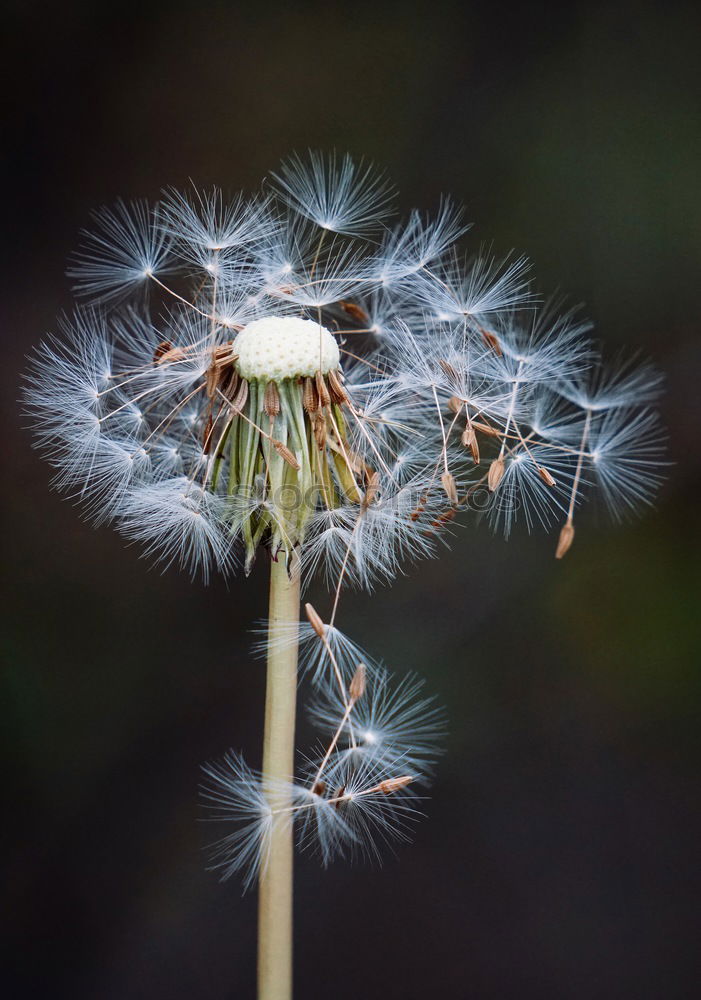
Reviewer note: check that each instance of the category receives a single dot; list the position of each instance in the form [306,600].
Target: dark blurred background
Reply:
[559,856]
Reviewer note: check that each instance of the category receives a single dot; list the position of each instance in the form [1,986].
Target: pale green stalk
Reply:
[275,923]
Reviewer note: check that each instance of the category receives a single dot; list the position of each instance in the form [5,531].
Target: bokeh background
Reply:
[559,857]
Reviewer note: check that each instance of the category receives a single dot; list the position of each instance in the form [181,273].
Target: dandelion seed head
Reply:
[309,376]
[280,347]
[319,392]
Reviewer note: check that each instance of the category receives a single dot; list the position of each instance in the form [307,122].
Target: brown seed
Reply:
[350,458]
[495,474]
[319,428]
[354,311]
[545,476]
[319,787]
[455,404]
[230,388]
[420,508]
[469,440]
[174,354]
[336,391]
[491,340]
[322,389]
[356,463]
[207,435]
[486,429]
[565,540]
[239,400]
[448,368]
[315,621]
[394,784]
[285,453]
[163,348]
[310,397]
[223,358]
[222,352]
[356,688]
[444,518]
[212,377]
[339,795]
[451,490]
[271,399]
[372,480]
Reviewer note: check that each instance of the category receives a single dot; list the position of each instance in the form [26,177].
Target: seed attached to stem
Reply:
[322,390]
[271,399]
[336,391]
[310,397]
[319,428]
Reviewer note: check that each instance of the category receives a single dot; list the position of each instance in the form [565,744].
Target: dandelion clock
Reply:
[300,380]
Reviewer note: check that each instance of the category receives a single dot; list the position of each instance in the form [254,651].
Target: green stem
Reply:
[275,887]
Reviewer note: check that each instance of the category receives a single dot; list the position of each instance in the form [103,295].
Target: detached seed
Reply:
[485,429]
[172,354]
[469,440]
[239,400]
[354,311]
[161,350]
[451,490]
[565,540]
[448,368]
[491,340]
[356,688]
[372,480]
[315,621]
[394,784]
[495,474]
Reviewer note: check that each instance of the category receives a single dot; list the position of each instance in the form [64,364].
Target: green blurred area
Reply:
[557,858]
